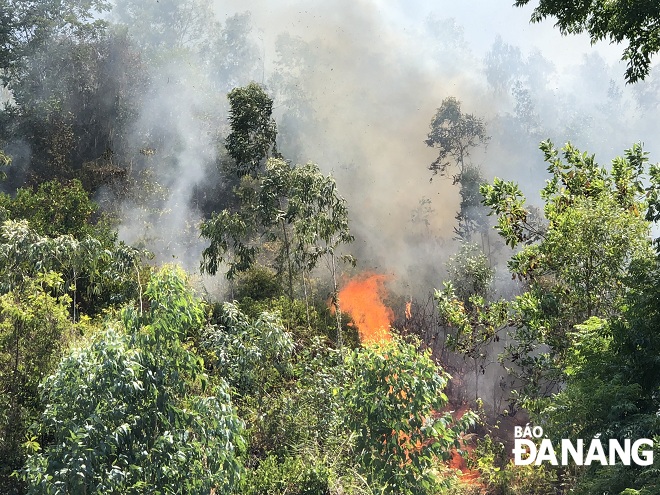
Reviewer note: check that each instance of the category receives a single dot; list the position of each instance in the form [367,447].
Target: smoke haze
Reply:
[356,84]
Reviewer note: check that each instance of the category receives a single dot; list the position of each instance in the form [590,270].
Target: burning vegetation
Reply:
[362,298]
[136,133]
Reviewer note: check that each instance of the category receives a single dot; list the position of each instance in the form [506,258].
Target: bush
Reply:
[393,396]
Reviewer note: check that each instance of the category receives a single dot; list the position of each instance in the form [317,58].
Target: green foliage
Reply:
[253,134]
[469,272]
[454,134]
[611,384]
[308,201]
[227,232]
[258,283]
[294,419]
[586,344]
[515,223]
[251,355]
[502,477]
[109,274]
[131,413]
[636,23]
[298,207]
[475,320]
[303,416]
[472,216]
[303,321]
[394,397]
[34,330]
[29,24]
[55,208]
[577,260]
[292,475]
[472,319]
[295,207]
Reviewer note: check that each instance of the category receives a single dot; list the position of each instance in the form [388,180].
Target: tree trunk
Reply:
[288,259]
[335,298]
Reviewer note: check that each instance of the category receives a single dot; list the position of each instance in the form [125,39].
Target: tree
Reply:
[503,65]
[109,274]
[250,355]
[74,114]
[393,398]
[454,134]
[297,206]
[637,23]
[34,330]
[610,383]
[576,261]
[318,217]
[132,412]
[235,57]
[253,130]
[167,25]
[473,321]
[55,208]
[26,25]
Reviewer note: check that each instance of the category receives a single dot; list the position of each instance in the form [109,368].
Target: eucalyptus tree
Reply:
[107,270]
[307,203]
[253,130]
[297,206]
[133,410]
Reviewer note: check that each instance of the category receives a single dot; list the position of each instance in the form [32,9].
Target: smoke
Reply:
[356,84]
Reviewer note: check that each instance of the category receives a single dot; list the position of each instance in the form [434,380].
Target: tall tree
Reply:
[296,205]
[27,25]
[167,25]
[455,135]
[253,130]
[74,114]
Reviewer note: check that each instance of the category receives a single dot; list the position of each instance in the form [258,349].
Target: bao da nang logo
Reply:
[531,448]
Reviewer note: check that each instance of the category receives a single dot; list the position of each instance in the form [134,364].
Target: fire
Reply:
[362,298]
[457,461]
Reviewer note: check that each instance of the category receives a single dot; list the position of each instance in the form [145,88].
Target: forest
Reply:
[326,248]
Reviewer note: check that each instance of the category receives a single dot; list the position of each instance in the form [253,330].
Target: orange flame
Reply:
[362,298]
[457,461]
